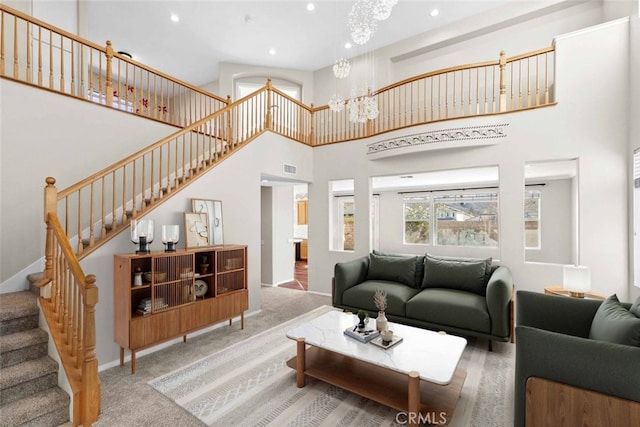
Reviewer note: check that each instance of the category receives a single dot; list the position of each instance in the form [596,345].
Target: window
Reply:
[417,216]
[532,219]
[467,219]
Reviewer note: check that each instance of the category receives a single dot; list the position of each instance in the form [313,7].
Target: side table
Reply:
[559,290]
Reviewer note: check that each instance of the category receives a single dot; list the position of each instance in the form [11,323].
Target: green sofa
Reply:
[552,343]
[462,296]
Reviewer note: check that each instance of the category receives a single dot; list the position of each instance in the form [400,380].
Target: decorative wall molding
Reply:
[459,136]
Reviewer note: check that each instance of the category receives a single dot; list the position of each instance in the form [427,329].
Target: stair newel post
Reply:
[90,379]
[503,84]
[109,78]
[312,129]
[50,206]
[268,123]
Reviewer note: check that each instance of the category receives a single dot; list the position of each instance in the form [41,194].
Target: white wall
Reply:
[583,125]
[634,132]
[44,134]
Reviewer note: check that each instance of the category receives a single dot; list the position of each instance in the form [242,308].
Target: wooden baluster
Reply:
[114,221]
[91,217]
[73,69]
[546,83]
[27,38]
[15,47]
[103,228]
[143,203]
[124,195]
[82,90]
[80,245]
[503,86]
[108,78]
[90,72]
[62,88]
[312,127]
[50,59]
[134,202]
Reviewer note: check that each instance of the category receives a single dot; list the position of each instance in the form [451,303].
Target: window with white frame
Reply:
[417,220]
[532,229]
[466,219]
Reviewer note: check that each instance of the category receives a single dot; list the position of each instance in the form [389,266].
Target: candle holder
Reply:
[142,234]
[170,236]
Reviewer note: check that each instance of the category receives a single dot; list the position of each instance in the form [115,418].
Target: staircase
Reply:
[29,392]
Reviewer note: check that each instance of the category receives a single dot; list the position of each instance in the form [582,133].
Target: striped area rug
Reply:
[249,384]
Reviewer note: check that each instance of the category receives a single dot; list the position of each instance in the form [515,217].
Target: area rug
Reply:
[249,384]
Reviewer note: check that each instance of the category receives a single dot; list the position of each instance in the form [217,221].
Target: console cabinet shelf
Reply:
[161,296]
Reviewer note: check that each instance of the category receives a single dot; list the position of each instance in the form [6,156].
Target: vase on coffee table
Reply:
[381,321]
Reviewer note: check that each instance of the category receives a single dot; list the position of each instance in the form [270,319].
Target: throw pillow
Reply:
[635,307]
[392,268]
[419,266]
[614,323]
[464,274]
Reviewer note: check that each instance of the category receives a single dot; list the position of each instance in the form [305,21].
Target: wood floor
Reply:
[299,281]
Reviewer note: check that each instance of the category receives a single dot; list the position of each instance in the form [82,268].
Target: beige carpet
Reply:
[248,384]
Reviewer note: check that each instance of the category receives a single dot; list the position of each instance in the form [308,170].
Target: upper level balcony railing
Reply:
[34,52]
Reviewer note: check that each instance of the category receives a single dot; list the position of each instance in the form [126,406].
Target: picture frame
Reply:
[213,209]
[196,230]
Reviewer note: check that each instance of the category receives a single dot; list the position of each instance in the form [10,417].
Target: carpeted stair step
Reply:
[18,312]
[24,379]
[22,346]
[47,408]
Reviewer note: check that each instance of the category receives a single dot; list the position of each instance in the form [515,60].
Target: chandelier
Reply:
[362,24]
[362,108]
[382,9]
[364,17]
[336,103]
[341,68]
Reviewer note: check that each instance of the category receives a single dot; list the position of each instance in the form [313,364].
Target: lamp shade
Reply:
[577,279]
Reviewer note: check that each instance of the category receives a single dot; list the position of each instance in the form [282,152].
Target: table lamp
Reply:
[576,280]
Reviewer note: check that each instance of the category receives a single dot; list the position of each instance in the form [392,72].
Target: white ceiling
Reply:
[239,31]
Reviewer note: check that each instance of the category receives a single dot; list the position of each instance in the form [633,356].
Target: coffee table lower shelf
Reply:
[387,387]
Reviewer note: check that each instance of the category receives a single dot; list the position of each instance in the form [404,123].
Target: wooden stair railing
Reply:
[97,208]
[69,309]
[42,55]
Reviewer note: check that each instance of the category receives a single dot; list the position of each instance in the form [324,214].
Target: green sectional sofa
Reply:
[462,296]
[578,344]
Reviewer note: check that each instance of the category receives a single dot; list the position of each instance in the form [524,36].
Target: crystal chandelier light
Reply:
[362,108]
[336,103]
[362,23]
[382,9]
[341,68]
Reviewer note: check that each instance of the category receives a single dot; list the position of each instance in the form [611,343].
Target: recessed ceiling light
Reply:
[272,51]
[175,18]
[311,7]
[435,12]
[347,45]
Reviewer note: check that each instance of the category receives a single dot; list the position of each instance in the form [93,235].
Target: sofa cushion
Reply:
[635,307]
[419,265]
[451,307]
[392,268]
[614,323]
[361,296]
[456,273]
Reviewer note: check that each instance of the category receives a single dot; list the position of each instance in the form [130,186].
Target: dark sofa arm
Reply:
[499,290]
[600,366]
[348,274]
[572,316]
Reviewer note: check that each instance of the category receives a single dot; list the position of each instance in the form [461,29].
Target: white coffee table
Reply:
[418,375]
